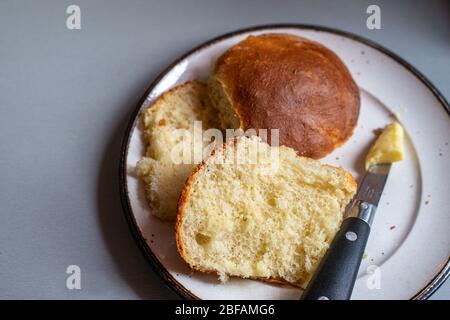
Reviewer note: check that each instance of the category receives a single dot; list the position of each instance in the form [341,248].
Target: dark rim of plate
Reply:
[157,266]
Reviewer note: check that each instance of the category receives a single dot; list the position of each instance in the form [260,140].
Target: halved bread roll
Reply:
[290,83]
[255,211]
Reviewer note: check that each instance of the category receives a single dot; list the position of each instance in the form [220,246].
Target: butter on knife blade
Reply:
[388,148]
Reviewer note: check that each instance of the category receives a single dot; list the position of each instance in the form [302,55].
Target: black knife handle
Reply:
[335,277]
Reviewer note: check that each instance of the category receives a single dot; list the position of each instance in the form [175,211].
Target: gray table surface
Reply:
[65,96]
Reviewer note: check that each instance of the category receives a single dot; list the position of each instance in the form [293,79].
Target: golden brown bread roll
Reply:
[286,82]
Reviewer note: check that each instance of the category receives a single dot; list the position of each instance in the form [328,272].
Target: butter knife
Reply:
[335,276]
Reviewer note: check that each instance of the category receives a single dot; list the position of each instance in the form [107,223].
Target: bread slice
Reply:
[176,109]
[270,219]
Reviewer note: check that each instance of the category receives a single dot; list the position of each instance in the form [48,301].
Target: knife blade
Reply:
[372,184]
[335,277]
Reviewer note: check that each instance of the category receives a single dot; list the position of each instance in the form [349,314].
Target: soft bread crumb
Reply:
[266,222]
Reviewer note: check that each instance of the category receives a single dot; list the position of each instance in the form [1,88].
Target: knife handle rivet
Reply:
[323,298]
[364,206]
[351,236]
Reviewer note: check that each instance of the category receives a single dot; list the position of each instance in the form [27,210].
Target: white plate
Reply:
[408,251]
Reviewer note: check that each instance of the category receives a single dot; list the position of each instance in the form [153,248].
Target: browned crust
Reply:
[184,197]
[281,81]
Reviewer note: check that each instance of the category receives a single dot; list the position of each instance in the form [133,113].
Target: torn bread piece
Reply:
[164,173]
